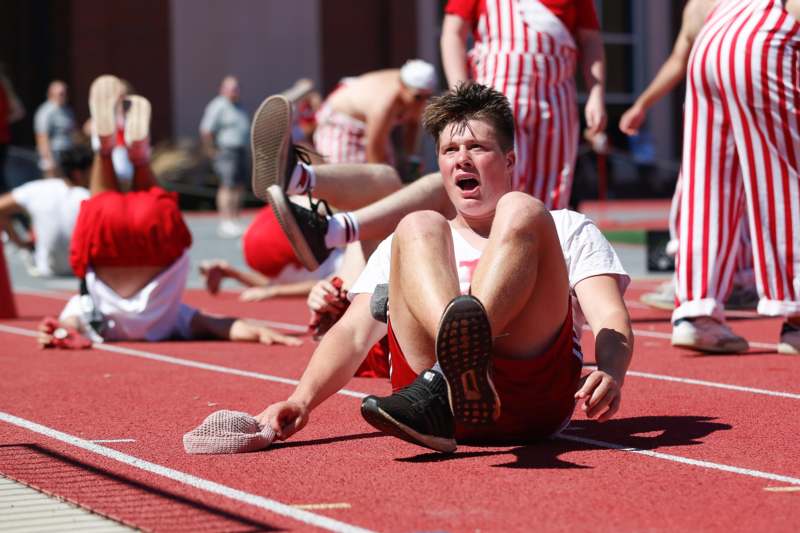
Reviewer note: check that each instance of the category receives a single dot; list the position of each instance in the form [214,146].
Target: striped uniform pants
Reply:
[536,72]
[339,137]
[741,153]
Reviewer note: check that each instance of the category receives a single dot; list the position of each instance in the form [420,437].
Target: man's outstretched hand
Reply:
[286,418]
[599,396]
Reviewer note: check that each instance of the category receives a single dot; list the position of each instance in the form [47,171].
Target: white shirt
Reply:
[53,206]
[586,251]
[153,314]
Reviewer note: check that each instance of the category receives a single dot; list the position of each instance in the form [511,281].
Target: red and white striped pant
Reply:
[741,151]
[339,137]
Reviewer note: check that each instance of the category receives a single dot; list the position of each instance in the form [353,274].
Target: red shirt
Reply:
[575,14]
[5,131]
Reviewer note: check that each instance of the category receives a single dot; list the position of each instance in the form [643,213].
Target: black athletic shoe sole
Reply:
[464,351]
[270,140]
[283,212]
[383,422]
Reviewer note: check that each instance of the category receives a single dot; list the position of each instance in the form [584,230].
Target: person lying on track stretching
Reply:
[130,248]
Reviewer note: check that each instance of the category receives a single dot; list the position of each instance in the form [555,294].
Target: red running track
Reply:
[702,443]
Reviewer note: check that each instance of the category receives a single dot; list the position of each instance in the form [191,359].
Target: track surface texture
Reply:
[702,443]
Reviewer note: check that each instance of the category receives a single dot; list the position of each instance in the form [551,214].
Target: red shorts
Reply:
[537,395]
[376,364]
[266,247]
[140,228]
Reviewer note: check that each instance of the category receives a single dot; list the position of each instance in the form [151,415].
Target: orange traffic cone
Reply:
[7,307]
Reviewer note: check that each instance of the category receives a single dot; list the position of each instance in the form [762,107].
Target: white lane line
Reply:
[346,392]
[684,460]
[182,362]
[602,444]
[187,479]
[668,336]
[690,381]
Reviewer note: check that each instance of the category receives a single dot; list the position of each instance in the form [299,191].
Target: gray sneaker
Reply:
[790,339]
[706,334]
[274,155]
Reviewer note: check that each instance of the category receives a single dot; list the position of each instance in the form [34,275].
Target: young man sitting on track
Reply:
[480,315]
[130,249]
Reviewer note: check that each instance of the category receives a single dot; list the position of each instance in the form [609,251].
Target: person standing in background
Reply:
[225,132]
[54,125]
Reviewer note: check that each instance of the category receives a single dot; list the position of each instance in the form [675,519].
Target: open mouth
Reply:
[467,184]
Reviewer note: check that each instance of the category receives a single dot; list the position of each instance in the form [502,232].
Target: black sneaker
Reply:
[305,228]
[274,155]
[418,413]
[464,351]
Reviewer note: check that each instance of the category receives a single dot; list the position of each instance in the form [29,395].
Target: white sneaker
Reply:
[706,334]
[661,298]
[228,229]
[790,339]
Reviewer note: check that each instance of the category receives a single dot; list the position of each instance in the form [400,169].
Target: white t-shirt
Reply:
[153,314]
[586,251]
[53,206]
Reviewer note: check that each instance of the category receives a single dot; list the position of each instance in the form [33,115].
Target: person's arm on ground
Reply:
[593,67]
[671,72]
[602,305]
[453,44]
[274,290]
[333,364]
[205,326]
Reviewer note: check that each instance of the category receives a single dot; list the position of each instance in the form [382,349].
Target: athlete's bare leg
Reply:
[351,186]
[378,220]
[102,176]
[521,280]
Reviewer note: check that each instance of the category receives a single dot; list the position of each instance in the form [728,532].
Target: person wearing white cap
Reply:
[355,121]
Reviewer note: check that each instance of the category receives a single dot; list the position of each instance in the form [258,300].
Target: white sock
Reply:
[303,179]
[342,229]
[437,368]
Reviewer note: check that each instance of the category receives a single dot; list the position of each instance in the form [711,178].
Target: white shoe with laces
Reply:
[706,334]
[790,339]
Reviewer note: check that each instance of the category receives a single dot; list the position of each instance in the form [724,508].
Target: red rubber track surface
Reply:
[380,483]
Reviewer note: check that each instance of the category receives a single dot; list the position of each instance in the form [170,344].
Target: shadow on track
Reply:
[646,433]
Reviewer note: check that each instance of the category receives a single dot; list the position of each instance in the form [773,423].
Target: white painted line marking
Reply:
[346,392]
[782,489]
[684,460]
[668,336]
[704,383]
[187,479]
[182,362]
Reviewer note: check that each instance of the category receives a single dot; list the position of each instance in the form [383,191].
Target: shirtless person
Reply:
[355,121]
[505,351]
[130,249]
